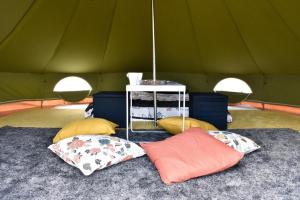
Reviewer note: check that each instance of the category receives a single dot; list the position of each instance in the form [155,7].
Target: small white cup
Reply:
[134,78]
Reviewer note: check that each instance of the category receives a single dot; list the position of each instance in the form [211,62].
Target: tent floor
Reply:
[57,117]
[28,170]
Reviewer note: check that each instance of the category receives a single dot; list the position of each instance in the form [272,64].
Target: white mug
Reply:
[134,78]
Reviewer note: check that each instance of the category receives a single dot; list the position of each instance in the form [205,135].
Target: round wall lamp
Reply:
[72,89]
[236,89]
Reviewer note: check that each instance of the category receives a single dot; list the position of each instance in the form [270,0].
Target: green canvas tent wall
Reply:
[198,42]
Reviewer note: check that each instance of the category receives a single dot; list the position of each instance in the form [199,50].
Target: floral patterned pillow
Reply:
[94,152]
[236,141]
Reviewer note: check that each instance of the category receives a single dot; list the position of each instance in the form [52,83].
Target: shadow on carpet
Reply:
[28,170]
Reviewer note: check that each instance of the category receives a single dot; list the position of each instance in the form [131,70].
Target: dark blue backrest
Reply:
[210,107]
[111,106]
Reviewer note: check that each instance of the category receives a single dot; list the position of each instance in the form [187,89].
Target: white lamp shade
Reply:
[72,84]
[233,85]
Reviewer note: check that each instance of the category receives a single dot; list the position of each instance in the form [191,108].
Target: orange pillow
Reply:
[190,154]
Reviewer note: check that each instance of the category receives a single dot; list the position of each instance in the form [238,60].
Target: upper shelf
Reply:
[158,82]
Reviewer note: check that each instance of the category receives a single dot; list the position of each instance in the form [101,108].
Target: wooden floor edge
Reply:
[272,107]
[13,107]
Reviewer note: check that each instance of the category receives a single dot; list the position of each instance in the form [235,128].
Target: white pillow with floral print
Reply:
[236,141]
[94,152]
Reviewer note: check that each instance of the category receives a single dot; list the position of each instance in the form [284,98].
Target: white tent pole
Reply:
[153,41]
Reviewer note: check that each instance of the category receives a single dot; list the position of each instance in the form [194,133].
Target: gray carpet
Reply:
[28,170]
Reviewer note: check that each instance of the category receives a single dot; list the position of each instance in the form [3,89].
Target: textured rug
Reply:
[28,170]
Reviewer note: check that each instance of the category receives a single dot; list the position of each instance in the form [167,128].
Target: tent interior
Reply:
[197,44]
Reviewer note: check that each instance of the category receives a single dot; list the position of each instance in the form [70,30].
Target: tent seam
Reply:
[194,35]
[62,36]
[109,33]
[18,23]
[283,20]
[242,37]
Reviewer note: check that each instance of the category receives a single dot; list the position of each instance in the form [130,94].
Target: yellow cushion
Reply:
[174,124]
[95,126]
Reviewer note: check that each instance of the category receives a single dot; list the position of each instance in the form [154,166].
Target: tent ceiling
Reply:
[203,36]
